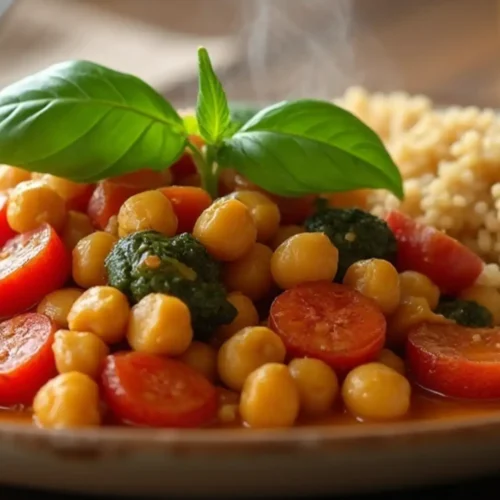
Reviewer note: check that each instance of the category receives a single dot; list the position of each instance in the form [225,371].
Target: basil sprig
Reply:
[84,122]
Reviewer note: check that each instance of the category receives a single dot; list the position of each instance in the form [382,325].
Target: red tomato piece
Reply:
[444,260]
[32,265]
[188,202]
[328,321]
[110,194]
[6,233]
[26,358]
[80,202]
[147,390]
[455,361]
[185,166]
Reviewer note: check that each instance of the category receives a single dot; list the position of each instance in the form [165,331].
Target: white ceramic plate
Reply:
[308,460]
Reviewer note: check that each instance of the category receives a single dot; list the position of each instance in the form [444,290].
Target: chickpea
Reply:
[270,397]
[376,279]
[302,258]
[81,352]
[77,226]
[413,284]
[67,401]
[88,259]
[251,274]
[56,305]
[160,324]
[346,199]
[485,296]
[10,177]
[265,213]
[245,351]
[411,312]
[67,190]
[317,384]
[202,358]
[147,210]
[247,316]
[283,233]
[31,204]
[375,391]
[227,230]
[102,310]
[388,358]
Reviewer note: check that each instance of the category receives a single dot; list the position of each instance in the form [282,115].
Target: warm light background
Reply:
[269,49]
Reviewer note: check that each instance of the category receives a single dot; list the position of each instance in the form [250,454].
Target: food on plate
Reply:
[230,267]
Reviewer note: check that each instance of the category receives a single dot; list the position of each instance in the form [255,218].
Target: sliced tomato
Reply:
[32,265]
[455,361]
[147,390]
[444,260]
[26,357]
[185,166]
[188,203]
[110,194]
[80,202]
[328,321]
[6,233]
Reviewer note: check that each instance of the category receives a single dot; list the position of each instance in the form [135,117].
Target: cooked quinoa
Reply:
[450,162]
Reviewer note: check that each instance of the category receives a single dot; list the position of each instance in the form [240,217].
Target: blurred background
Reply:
[268,49]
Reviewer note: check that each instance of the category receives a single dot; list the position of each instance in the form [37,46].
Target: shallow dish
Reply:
[310,460]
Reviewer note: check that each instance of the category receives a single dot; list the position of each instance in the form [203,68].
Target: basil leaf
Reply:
[241,113]
[191,125]
[212,110]
[85,122]
[307,146]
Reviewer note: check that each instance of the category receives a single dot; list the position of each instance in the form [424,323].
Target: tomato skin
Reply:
[6,232]
[314,319]
[138,389]
[185,166]
[30,363]
[455,361]
[81,202]
[188,203]
[32,265]
[444,260]
[110,194]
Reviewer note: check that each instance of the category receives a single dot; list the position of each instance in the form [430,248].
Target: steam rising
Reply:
[307,48]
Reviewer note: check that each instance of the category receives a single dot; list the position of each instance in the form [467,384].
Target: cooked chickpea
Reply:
[411,312]
[485,296]
[302,258]
[247,315]
[270,397]
[67,190]
[251,274]
[102,310]
[56,305]
[317,384]
[81,352]
[376,279]
[245,351]
[388,358]
[413,284]
[10,177]
[147,210]
[31,204]
[202,358]
[76,227]
[160,324]
[67,401]
[375,391]
[227,230]
[283,233]
[88,259]
[265,213]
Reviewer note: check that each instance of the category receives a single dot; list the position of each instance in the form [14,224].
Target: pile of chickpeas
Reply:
[259,385]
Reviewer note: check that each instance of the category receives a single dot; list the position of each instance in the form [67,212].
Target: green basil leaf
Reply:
[191,125]
[241,113]
[85,122]
[212,110]
[307,146]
